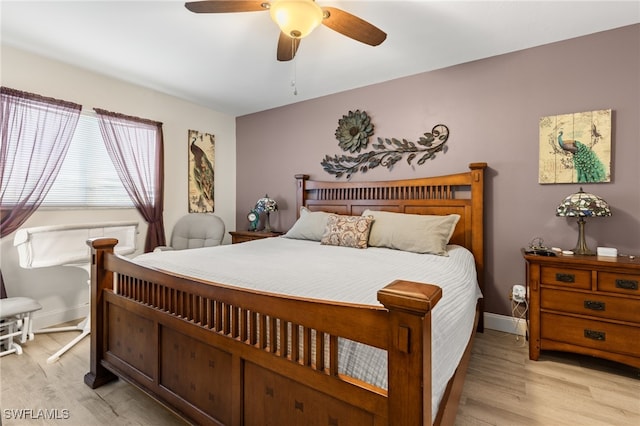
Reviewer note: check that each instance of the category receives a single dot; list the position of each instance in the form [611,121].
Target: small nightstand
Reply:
[585,304]
[244,236]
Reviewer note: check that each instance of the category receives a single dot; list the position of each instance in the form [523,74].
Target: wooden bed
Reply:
[202,349]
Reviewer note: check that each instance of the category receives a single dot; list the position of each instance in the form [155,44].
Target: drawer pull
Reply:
[595,335]
[594,305]
[565,278]
[627,284]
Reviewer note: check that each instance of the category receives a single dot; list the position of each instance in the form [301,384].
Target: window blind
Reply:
[87,177]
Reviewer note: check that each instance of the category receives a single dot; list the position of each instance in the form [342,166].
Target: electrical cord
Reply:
[518,314]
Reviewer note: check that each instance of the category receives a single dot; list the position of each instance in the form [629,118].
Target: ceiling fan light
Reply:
[296,18]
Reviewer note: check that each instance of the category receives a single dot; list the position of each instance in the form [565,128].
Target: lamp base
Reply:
[581,246]
[582,252]
[267,225]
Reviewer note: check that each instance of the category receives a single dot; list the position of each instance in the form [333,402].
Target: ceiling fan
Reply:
[297,19]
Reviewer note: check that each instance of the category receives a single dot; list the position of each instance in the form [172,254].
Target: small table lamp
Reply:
[583,204]
[267,205]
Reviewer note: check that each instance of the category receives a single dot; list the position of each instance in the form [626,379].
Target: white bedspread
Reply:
[309,269]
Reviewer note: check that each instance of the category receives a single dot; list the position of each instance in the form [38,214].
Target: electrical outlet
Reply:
[518,293]
[519,309]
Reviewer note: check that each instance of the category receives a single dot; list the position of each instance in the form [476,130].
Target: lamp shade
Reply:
[266,204]
[296,18]
[583,204]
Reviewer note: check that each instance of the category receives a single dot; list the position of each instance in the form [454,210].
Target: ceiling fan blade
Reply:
[225,6]
[352,26]
[287,47]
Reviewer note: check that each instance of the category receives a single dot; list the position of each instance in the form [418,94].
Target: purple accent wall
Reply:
[492,107]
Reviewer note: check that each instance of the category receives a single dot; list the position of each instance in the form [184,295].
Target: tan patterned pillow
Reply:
[347,231]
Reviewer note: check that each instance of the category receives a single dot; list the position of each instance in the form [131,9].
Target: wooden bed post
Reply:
[477,243]
[409,354]
[101,280]
[300,188]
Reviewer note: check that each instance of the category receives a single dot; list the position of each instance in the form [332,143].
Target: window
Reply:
[87,177]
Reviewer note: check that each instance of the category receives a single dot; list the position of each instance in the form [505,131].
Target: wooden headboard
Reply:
[461,193]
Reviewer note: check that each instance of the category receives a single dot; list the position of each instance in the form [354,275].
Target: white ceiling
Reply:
[228,61]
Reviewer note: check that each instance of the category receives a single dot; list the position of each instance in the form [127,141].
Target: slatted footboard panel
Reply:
[184,372]
[306,346]
[213,353]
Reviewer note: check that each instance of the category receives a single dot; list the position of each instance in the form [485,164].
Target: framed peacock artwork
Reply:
[202,162]
[575,148]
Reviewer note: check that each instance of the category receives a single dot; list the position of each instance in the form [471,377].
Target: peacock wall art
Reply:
[201,172]
[575,148]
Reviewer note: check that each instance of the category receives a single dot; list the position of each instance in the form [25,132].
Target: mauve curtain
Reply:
[34,139]
[135,146]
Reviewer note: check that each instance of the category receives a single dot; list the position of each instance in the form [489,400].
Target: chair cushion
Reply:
[17,305]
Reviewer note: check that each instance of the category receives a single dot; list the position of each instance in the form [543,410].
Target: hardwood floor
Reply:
[503,387]
[28,382]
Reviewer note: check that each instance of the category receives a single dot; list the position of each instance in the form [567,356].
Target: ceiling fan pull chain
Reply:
[295,72]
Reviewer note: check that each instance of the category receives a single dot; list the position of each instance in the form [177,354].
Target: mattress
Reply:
[308,269]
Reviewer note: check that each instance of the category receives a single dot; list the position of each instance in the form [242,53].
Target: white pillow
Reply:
[412,232]
[309,226]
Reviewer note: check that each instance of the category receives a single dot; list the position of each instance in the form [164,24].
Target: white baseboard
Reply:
[505,323]
[54,317]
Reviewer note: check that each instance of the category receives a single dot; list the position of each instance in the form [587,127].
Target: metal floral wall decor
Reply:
[202,148]
[353,133]
[354,130]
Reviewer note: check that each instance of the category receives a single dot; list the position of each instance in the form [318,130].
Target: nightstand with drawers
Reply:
[243,236]
[585,304]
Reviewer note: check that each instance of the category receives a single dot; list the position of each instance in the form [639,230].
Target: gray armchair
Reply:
[196,230]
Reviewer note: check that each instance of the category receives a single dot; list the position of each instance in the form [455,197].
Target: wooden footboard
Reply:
[220,355]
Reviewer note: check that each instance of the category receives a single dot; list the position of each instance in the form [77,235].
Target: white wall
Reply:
[62,290]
